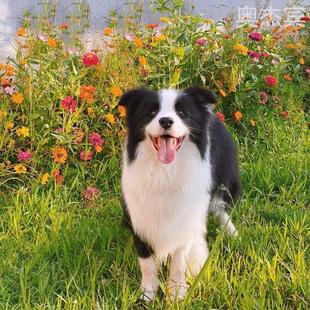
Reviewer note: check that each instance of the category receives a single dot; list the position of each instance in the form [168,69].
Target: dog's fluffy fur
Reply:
[179,164]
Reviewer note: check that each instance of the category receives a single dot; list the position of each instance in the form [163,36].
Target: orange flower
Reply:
[51,42]
[2,66]
[21,32]
[237,116]
[301,61]
[107,31]
[116,91]
[253,122]
[64,26]
[111,118]
[122,110]
[17,98]
[241,49]
[87,93]
[287,77]
[10,70]
[59,154]
[142,61]
[138,42]
[223,93]
[5,82]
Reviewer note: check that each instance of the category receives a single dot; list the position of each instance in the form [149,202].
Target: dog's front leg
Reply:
[149,282]
[177,279]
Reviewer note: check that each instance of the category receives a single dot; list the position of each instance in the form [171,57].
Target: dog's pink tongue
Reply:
[167,148]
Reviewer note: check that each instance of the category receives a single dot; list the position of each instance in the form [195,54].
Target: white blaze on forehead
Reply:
[167,98]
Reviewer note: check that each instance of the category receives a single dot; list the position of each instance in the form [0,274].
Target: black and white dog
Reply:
[179,164]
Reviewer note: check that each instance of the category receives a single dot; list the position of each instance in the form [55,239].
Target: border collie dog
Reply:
[179,164]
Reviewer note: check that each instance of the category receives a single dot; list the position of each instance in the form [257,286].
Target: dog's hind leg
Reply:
[217,207]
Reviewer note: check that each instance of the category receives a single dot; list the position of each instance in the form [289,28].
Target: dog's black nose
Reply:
[166,122]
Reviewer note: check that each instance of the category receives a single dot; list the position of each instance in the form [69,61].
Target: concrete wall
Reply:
[12,10]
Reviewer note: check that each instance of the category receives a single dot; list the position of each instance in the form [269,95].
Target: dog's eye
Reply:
[153,113]
[181,113]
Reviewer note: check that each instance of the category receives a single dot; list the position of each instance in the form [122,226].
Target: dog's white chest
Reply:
[167,203]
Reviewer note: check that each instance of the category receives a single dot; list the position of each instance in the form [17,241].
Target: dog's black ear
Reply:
[131,96]
[202,95]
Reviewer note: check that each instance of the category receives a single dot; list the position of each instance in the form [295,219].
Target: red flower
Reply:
[256,36]
[90,59]
[57,175]
[91,193]
[86,155]
[23,156]
[264,54]
[284,114]
[305,18]
[220,116]
[69,104]
[151,26]
[271,80]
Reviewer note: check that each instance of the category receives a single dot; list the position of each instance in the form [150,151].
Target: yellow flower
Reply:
[22,61]
[111,118]
[17,98]
[142,61]
[253,122]
[9,125]
[11,143]
[59,154]
[116,91]
[107,31]
[2,66]
[3,114]
[20,168]
[138,42]
[241,49]
[121,110]
[51,42]
[301,61]
[159,38]
[44,178]
[23,131]
[164,19]
[21,32]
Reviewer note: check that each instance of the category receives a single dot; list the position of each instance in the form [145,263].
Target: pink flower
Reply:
[42,37]
[86,155]
[69,104]
[220,116]
[271,80]
[90,59]
[91,193]
[201,41]
[129,37]
[256,36]
[263,97]
[10,90]
[254,54]
[23,155]
[95,139]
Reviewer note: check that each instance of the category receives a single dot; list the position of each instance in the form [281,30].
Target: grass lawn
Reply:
[57,254]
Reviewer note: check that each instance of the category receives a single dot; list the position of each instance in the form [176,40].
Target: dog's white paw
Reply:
[148,296]
[178,291]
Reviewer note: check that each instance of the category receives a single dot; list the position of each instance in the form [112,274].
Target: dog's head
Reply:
[167,117]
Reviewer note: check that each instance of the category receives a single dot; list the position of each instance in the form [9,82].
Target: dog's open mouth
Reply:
[167,147]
